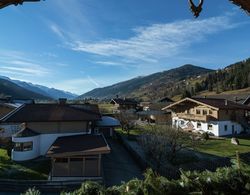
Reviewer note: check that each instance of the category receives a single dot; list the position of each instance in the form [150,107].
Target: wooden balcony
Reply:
[194,117]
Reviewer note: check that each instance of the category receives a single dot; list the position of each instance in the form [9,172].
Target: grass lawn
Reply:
[133,132]
[30,170]
[106,108]
[224,147]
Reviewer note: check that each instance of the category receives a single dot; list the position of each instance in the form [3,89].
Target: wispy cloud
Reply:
[78,85]
[108,63]
[93,81]
[158,41]
[15,63]
[57,30]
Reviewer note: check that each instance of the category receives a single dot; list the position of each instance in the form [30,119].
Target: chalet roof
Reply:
[222,103]
[125,101]
[211,102]
[51,112]
[79,145]
[238,98]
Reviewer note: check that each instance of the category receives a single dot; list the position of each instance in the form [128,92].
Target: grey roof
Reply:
[108,121]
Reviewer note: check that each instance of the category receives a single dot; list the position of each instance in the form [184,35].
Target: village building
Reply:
[67,133]
[77,156]
[124,104]
[219,117]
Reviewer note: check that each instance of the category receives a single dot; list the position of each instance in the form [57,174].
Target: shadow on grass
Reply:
[31,170]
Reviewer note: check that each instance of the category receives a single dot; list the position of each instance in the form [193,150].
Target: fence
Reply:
[42,185]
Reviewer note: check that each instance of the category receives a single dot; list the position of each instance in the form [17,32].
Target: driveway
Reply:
[119,166]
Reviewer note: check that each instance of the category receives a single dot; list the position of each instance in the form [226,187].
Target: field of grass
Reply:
[31,170]
[106,108]
[224,147]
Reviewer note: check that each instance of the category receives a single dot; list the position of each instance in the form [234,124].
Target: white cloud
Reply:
[153,43]
[78,85]
[56,29]
[93,81]
[14,63]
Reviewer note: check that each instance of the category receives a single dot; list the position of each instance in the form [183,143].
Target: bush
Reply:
[227,180]
[31,191]
[205,136]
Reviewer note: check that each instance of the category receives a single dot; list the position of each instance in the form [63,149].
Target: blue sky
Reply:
[78,45]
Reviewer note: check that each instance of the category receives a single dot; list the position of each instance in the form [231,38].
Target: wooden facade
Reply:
[76,166]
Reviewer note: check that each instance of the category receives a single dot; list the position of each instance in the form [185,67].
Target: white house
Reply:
[219,117]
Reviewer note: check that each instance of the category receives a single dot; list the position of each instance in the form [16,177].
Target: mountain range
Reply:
[21,89]
[148,87]
[185,81]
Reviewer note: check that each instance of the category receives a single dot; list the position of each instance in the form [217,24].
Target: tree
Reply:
[126,120]
[163,143]
[185,94]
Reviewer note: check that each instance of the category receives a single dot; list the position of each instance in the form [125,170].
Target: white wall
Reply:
[41,144]
[26,155]
[218,127]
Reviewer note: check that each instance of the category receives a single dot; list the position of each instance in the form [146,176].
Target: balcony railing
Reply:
[194,117]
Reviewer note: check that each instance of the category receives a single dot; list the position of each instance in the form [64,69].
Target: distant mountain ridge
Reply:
[50,93]
[147,86]
[8,88]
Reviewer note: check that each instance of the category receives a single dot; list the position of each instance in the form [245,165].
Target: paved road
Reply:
[119,166]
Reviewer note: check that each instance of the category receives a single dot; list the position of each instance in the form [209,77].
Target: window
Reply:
[225,127]
[210,127]
[198,125]
[182,122]
[198,112]
[204,112]
[26,146]
[210,112]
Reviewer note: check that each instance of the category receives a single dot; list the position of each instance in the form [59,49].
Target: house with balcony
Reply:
[66,133]
[219,117]
[124,104]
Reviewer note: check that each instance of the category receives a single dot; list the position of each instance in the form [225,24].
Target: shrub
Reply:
[205,136]
[31,191]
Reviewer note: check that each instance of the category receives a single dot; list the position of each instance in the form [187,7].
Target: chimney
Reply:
[62,101]
[226,103]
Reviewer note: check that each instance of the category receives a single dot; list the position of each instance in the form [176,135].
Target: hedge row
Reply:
[227,180]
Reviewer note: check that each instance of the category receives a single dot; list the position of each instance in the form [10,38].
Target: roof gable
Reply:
[212,103]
